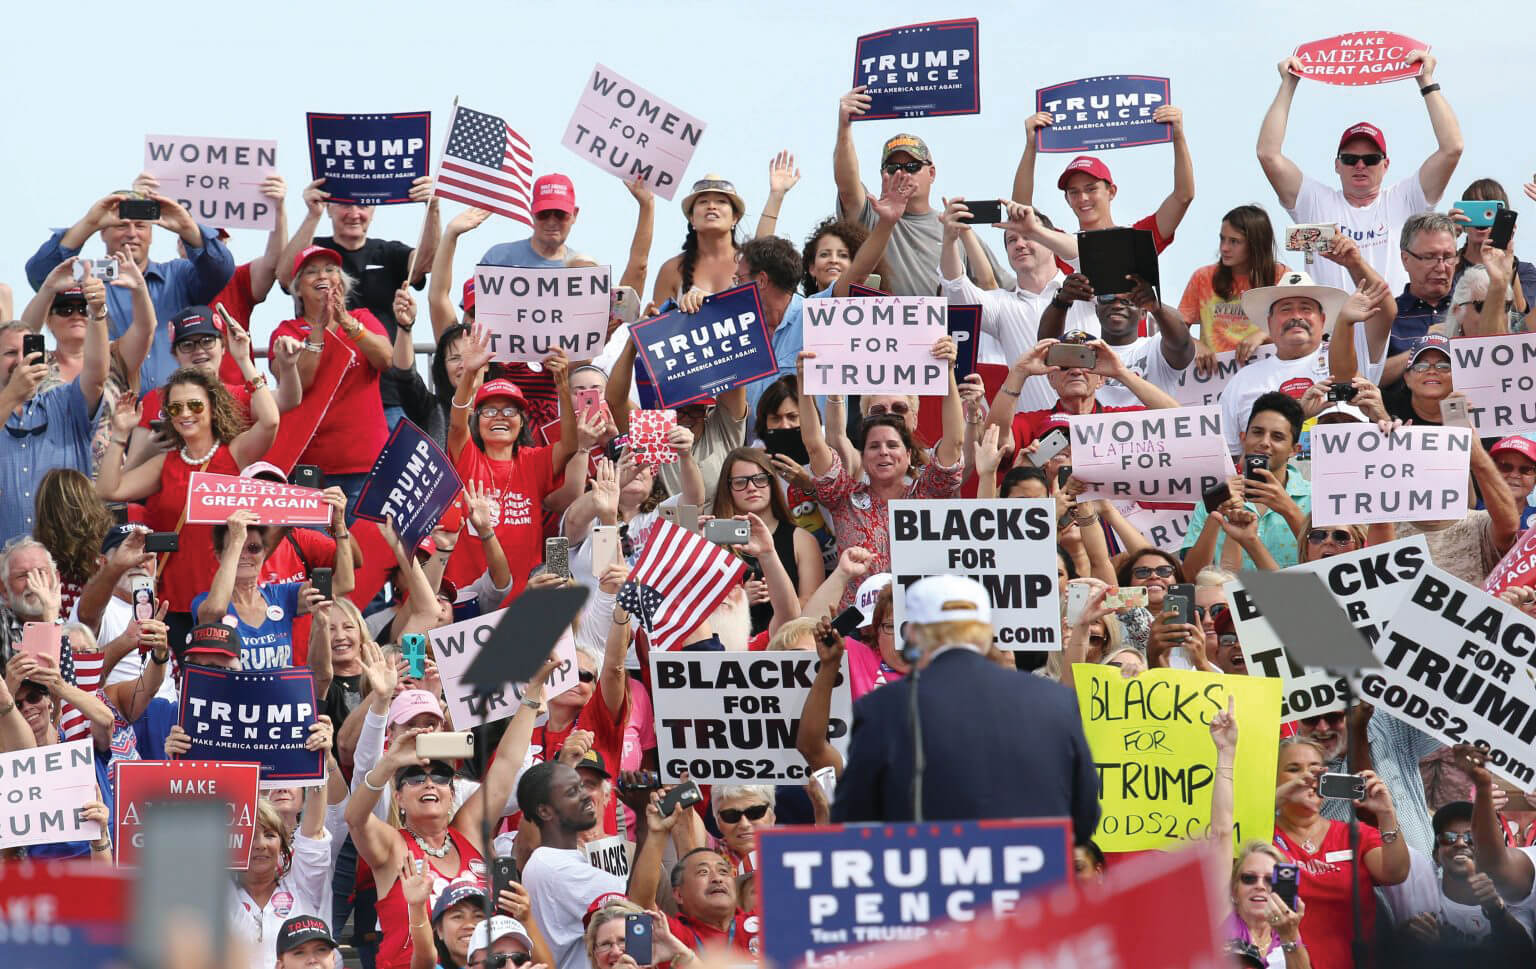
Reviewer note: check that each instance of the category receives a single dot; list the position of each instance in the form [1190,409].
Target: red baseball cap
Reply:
[1519,444]
[553,192]
[311,252]
[501,387]
[1088,165]
[467,301]
[1364,130]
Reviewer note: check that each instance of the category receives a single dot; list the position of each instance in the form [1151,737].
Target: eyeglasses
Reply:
[204,342]
[1226,639]
[1214,611]
[1251,878]
[1477,304]
[1147,571]
[175,407]
[911,167]
[1435,257]
[888,627]
[609,946]
[750,480]
[416,778]
[901,409]
[69,309]
[511,410]
[1371,159]
[1506,468]
[753,813]
[1449,838]
[1318,536]
[587,676]
[1438,366]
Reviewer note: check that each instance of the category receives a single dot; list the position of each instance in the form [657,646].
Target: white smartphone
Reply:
[1050,445]
[827,778]
[1453,412]
[1078,594]
[605,548]
[442,745]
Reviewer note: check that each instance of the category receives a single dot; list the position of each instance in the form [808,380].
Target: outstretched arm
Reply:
[1171,212]
[1282,173]
[1437,169]
[845,158]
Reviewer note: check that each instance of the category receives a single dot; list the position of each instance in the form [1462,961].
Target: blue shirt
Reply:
[173,286]
[53,430]
[1274,532]
[268,646]
[787,340]
[1414,318]
[520,254]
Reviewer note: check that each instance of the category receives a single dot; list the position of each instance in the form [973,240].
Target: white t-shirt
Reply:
[1375,227]
[304,890]
[1143,357]
[1010,321]
[565,885]
[115,618]
[1292,376]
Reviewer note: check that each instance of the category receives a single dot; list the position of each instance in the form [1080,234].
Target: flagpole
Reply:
[410,267]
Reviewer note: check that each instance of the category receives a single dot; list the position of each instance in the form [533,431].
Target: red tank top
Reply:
[188,571]
[394,920]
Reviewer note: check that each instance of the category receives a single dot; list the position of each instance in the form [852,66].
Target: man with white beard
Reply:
[32,595]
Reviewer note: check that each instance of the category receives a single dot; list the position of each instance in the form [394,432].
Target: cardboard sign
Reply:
[211,498]
[1100,113]
[1150,455]
[825,892]
[1517,567]
[1414,474]
[690,356]
[412,480]
[612,854]
[260,718]
[1361,57]
[631,133]
[45,789]
[141,783]
[1498,376]
[964,322]
[1368,583]
[730,718]
[1151,742]
[531,313]
[1457,666]
[876,345]
[1193,389]
[1164,527]
[1006,544]
[70,915]
[369,159]
[455,648]
[919,71]
[217,180]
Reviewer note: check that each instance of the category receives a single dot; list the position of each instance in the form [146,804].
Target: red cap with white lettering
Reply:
[1364,130]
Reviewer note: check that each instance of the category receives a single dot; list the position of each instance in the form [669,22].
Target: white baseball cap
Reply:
[947,598]
[499,927]
[869,592]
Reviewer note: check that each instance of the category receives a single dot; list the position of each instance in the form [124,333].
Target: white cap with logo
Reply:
[947,598]
[869,593]
[499,927]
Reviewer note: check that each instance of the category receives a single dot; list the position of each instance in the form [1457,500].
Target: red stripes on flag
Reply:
[693,576]
[467,174]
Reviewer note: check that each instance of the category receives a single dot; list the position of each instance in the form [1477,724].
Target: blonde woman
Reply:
[289,874]
[1259,916]
[605,938]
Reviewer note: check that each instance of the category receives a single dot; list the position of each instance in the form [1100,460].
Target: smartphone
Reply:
[557,556]
[503,873]
[728,531]
[1453,413]
[1253,464]
[142,590]
[161,542]
[307,476]
[644,780]
[42,639]
[605,548]
[1342,787]
[1070,356]
[1480,213]
[229,321]
[985,212]
[683,795]
[1126,597]
[827,778]
[1283,883]
[688,517]
[32,344]
[1503,228]
[1049,446]
[1310,237]
[626,304]
[1344,392]
[413,646]
[143,210]
[445,745]
[848,621]
[160,426]
[587,400]
[1062,474]
[1215,496]
[637,937]
[320,580]
[183,879]
[1078,594]
[1181,598]
[788,442]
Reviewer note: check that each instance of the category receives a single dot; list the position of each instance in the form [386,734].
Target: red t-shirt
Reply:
[188,571]
[353,432]
[285,565]
[742,934]
[1324,885]
[538,389]
[517,489]
[239,299]
[154,409]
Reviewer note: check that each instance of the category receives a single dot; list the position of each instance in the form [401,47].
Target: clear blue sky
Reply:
[763,77]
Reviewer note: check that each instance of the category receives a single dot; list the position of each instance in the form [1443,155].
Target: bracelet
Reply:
[377,790]
[1290,946]
[341,536]
[1387,837]
[537,706]
[459,406]
[121,444]
[156,657]
[105,844]
[1057,302]
[1011,393]
[836,399]
[979,420]
[258,382]
[420,925]
[7,711]
[314,347]
[1429,89]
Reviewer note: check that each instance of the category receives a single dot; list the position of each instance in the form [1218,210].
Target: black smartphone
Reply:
[1253,464]
[1503,228]
[1215,496]
[1344,392]
[32,343]
[643,780]
[985,211]
[139,210]
[1181,599]
[183,879]
[788,442]
[1062,474]
[160,426]
[683,795]
[320,579]
[1342,787]
[637,937]
[307,476]
[1283,883]
[161,542]
[848,621]
[503,873]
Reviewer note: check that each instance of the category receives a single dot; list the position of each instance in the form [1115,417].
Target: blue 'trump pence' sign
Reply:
[369,159]
[827,891]
[690,356]
[919,71]
[412,482]
[261,718]
[1099,113]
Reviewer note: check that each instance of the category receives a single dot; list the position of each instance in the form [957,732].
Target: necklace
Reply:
[202,460]
[434,852]
[1306,839]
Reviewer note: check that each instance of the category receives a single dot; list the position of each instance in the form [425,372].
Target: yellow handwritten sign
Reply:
[1151,742]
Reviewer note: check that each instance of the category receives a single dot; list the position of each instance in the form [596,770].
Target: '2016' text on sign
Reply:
[919,71]
[217,180]
[631,133]
[1099,113]
[531,313]
[876,345]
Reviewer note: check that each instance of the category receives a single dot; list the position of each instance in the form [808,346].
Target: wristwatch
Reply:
[1387,837]
[1290,946]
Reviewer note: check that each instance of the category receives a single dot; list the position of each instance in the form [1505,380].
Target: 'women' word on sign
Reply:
[217,180]
[876,345]
[531,313]
[1173,454]
[631,134]
[1497,374]
[1361,475]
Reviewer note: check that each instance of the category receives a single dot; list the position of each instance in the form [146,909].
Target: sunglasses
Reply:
[511,410]
[76,309]
[1214,611]
[418,777]
[753,813]
[1318,536]
[1226,639]
[1449,838]
[1371,158]
[176,407]
[911,167]
[752,480]
[587,676]
[1506,468]
[901,409]
[1336,716]
[1147,571]
[1251,878]
[204,342]
[1109,299]
[1438,366]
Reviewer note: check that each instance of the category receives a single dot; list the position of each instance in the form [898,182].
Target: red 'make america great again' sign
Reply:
[1362,57]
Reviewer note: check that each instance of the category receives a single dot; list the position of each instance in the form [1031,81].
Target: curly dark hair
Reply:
[225,420]
[70,520]
[852,233]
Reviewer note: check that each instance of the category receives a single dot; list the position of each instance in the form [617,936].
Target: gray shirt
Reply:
[912,257]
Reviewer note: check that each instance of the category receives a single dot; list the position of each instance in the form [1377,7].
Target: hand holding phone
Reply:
[985,211]
[1503,228]
[557,556]
[320,581]
[683,795]
[1253,464]
[413,646]
[637,938]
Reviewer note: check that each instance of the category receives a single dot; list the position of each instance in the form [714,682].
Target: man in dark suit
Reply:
[998,743]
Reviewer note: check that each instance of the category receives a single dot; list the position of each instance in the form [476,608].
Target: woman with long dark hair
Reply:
[1213,296]
[828,254]
[707,263]
[70,521]
[748,485]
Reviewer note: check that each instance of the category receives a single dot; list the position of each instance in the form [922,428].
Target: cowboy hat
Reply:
[1256,302]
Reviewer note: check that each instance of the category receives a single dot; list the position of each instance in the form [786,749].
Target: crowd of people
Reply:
[150,376]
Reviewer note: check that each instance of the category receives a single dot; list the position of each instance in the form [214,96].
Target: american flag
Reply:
[678,581]
[487,165]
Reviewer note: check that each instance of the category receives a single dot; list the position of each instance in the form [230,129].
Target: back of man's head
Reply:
[775,257]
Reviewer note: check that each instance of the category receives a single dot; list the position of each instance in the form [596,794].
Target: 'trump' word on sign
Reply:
[45,790]
[369,159]
[413,481]
[1412,474]
[217,180]
[876,345]
[1362,57]
[455,647]
[211,498]
[1150,455]
[531,313]
[1099,113]
[1457,666]
[827,891]
[1498,376]
[1151,742]
[731,718]
[1368,583]
[142,783]
[1006,544]
[1165,527]
[690,356]
[260,718]
[631,133]
[920,71]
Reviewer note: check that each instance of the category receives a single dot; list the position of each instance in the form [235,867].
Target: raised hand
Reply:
[1224,728]
[315,197]
[853,104]
[991,450]
[471,218]
[782,173]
